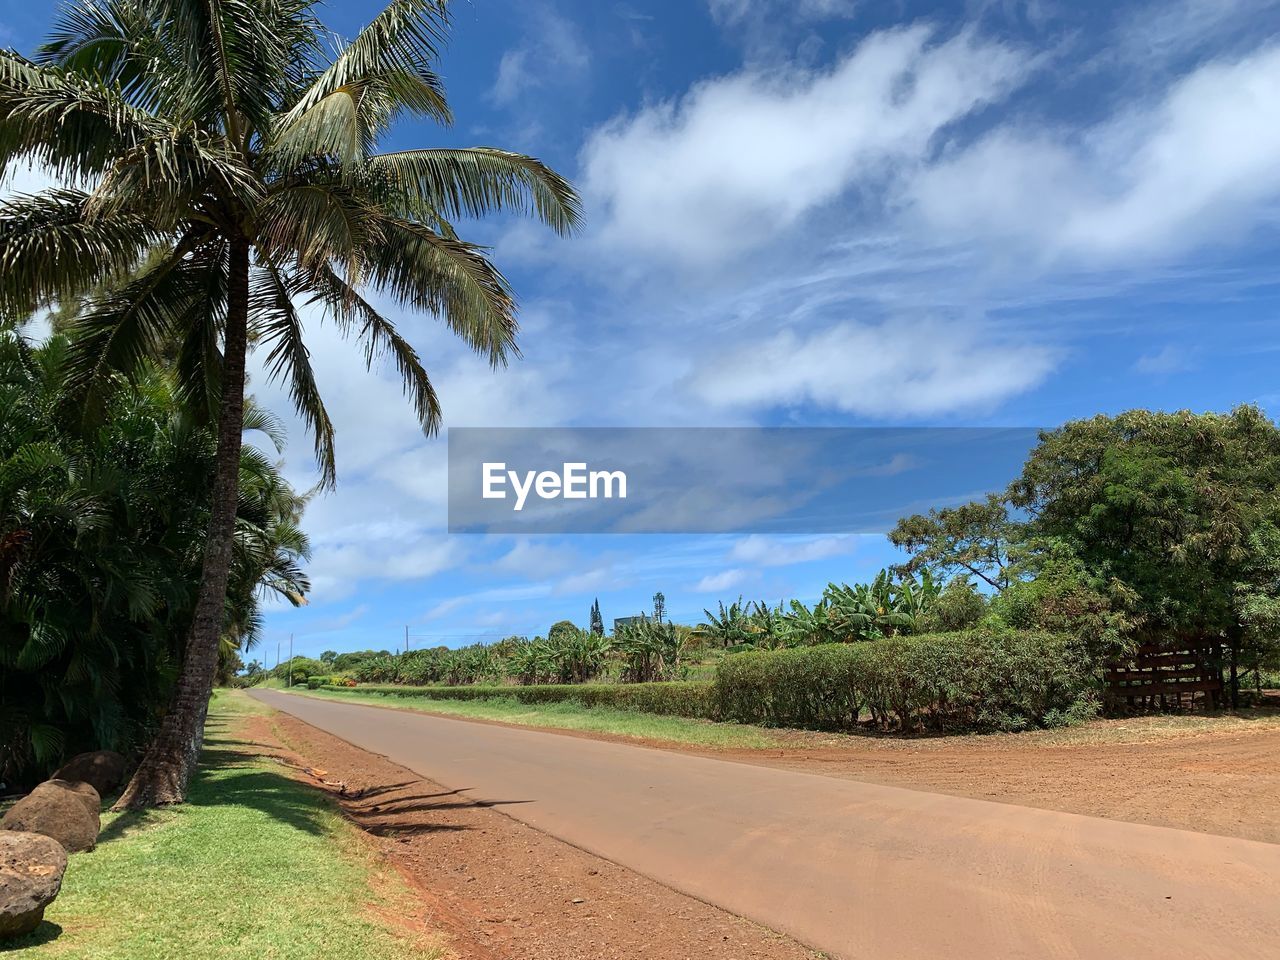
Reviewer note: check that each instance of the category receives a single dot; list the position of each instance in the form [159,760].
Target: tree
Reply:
[328,657]
[659,607]
[1061,595]
[957,606]
[974,539]
[1178,510]
[597,621]
[235,176]
[561,628]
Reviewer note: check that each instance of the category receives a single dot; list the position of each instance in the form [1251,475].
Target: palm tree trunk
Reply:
[166,768]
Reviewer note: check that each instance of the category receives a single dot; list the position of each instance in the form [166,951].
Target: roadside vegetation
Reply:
[567,714]
[100,555]
[255,864]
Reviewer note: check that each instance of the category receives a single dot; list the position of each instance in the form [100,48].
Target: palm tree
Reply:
[231,171]
[270,545]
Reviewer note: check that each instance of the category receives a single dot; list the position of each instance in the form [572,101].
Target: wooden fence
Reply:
[1171,676]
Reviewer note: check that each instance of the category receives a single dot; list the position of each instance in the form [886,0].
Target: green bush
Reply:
[973,680]
[679,698]
[976,680]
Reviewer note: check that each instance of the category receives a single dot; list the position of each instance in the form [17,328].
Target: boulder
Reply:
[31,868]
[101,769]
[84,792]
[56,811]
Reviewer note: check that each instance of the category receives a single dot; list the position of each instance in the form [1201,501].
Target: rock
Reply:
[56,811]
[31,868]
[84,792]
[101,769]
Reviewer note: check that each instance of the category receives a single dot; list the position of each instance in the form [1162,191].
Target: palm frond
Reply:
[315,223]
[74,125]
[50,250]
[276,325]
[133,324]
[384,69]
[171,177]
[259,418]
[117,41]
[356,316]
[472,182]
[198,362]
[448,277]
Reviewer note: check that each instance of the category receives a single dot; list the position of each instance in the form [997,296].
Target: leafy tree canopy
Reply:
[973,539]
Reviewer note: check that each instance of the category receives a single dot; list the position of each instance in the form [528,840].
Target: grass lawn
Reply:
[571,716]
[256,866]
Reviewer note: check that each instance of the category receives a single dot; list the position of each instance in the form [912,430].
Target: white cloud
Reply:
[598,578]
[512,76]
[902,369]
[553,52]
[769,551]
[536,560]
[1168,359]
[728,580]
[745,156]
[1199,164]
[334,624]
[1171,29]
[735,11]
[445,607]
[339,564]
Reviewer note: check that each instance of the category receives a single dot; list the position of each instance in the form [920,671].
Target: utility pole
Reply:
[277,654]
[290,682]
[406,638]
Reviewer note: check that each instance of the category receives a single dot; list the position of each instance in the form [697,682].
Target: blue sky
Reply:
[806,212]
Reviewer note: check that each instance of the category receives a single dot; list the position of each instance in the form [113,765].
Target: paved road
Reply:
[857,870]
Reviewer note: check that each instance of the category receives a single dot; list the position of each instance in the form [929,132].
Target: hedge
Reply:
[690,698]
[976,680]
[334,680]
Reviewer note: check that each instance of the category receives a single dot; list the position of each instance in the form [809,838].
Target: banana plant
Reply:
[730,626]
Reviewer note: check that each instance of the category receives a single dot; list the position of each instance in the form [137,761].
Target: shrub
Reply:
[682,699]
[959,606]
[331,680]
[977,680]
[296,670]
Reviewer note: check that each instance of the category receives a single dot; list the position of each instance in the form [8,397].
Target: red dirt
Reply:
[501,890]
[1222,782]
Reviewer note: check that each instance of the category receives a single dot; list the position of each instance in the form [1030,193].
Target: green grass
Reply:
[256,866]
[570,716]
[270,683]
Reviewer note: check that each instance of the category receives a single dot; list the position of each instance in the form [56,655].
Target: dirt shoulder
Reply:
[502,890]
[1216,775]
